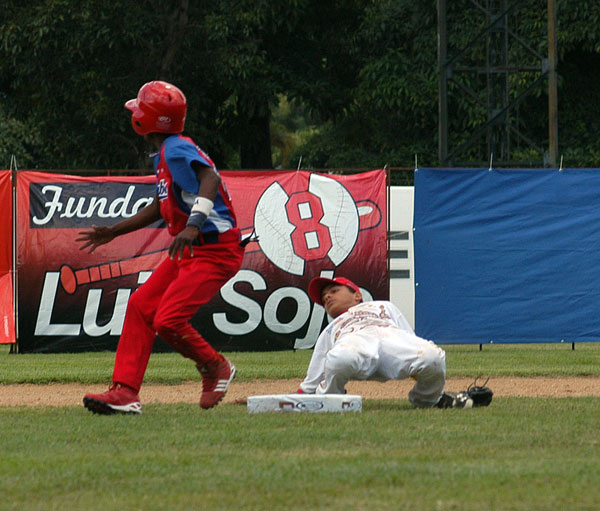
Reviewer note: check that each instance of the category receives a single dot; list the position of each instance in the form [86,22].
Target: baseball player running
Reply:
[373,341]
[204,255]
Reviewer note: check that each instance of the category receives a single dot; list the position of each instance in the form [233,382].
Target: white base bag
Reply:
[305,403]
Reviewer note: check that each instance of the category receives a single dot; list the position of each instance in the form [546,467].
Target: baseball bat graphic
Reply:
[70,278]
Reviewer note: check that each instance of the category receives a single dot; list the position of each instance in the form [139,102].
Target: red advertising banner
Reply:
[306,224]
[7,312]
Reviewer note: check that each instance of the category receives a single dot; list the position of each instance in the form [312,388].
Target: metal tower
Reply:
[482,72]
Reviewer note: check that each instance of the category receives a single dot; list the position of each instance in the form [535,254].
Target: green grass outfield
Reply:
[518,454]
[170,368]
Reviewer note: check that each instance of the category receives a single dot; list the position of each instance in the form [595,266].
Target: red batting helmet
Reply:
[316,286]
[159,108]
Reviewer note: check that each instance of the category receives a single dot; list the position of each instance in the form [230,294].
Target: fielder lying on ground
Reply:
[373,341]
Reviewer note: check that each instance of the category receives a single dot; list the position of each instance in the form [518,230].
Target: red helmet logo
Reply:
[160,107]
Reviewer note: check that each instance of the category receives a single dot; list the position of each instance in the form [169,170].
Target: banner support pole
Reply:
[14,348]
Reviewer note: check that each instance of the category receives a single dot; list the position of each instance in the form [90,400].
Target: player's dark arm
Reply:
[209,181]
[97,236]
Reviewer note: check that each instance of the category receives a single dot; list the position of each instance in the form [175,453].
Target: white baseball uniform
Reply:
[373,341]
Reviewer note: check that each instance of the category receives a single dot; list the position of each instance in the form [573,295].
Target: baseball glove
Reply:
[480,394]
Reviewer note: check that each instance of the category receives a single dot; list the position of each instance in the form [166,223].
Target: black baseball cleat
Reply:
[455,400]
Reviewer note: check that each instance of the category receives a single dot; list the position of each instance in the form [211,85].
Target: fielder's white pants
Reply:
[386,353]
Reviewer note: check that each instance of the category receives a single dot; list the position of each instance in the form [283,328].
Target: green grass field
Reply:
[518,454]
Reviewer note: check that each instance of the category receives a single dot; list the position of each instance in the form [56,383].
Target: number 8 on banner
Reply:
[310,238]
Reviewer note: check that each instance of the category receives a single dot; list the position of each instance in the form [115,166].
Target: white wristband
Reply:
[202,205]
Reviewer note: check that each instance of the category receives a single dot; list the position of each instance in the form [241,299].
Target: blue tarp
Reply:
[507,255]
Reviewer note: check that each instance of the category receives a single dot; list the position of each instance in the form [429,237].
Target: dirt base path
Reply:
[72,394]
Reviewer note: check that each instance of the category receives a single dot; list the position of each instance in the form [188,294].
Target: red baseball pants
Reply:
[166,303]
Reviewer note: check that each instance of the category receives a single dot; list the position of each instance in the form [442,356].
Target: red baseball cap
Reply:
[316,286]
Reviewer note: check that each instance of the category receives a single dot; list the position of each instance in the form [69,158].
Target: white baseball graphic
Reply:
[320,222]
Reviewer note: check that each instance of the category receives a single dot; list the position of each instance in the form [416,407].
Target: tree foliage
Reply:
[361,74]
[394,117]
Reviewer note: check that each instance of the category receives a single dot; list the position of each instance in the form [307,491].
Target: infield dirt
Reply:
[71,394]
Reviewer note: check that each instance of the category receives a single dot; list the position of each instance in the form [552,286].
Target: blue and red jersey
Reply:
[177,187]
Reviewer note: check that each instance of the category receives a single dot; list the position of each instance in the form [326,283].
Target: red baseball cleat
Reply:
[117,399]
[215,382]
